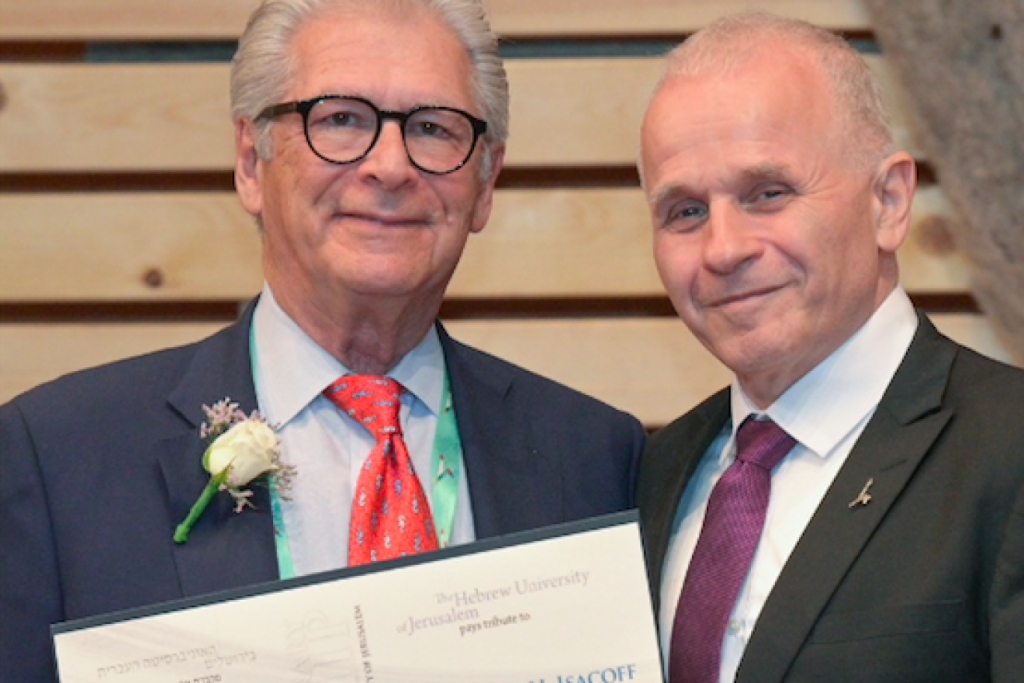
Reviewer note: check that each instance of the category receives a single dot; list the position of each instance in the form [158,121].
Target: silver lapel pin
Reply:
[864,497]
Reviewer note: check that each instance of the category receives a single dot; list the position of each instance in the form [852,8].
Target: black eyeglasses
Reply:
[343,130]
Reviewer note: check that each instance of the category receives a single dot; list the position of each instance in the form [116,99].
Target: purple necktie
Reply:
[731,531]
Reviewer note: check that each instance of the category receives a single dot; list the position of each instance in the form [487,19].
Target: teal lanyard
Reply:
[285,565]
[446,468]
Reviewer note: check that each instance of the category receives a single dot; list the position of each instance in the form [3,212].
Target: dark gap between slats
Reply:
[515,177]
[511,46]
[452,309]
[223,181]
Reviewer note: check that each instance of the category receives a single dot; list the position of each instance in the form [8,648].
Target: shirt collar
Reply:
[291,370]
[828,402]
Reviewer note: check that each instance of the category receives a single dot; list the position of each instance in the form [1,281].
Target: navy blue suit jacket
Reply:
[98,467]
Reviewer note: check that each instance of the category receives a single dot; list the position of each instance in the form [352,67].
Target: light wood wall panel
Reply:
[651,367]
[72,250]
[126,247]
[115,117]
[568,242]
[224,19]
[124,117]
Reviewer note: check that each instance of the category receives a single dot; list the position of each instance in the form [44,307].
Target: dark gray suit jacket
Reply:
[926,582]
[98,467]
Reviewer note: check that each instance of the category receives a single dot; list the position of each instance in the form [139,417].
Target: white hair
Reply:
[263,65]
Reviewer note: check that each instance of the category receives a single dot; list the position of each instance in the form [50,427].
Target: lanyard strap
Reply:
[447,468]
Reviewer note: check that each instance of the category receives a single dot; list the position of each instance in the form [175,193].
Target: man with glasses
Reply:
[369,136]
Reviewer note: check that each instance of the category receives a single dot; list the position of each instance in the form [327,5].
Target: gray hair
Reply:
[732,42]
[264,64]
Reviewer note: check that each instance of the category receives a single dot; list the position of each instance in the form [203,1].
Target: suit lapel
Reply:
[898,437]
[224,550]
[669,462]
[513,485]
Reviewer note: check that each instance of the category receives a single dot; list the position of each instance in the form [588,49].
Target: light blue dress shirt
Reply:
[328,447]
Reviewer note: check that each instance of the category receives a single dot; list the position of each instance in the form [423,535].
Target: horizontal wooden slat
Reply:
[224,19]
[124,117]
[651,367]
[88,117]
[592,242]
[132,246]
[35,353]
[658,17]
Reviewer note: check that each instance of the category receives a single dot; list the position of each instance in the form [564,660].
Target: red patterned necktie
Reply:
[390,512]
[732,528]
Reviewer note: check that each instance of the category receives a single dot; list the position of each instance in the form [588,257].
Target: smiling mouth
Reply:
[385,220]
[741,297]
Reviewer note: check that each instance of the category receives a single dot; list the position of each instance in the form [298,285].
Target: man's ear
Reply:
[247,167]
[893,193]
[484,202]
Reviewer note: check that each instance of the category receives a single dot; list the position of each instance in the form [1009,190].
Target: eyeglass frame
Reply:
[303,107]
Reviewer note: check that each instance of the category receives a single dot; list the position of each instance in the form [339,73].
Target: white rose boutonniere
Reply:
[242,449]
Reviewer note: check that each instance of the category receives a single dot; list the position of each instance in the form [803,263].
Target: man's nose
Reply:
[388,161]
[729,240]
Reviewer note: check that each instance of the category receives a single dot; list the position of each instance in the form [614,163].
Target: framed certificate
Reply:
[566,604]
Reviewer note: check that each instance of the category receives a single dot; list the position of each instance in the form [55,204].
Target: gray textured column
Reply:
[962,63]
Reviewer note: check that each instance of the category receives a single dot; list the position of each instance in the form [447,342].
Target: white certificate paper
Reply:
[569,604]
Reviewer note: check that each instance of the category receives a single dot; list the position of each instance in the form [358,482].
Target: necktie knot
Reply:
[372,400]
[762,443]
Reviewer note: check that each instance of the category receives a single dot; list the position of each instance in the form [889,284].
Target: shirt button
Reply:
[734,627]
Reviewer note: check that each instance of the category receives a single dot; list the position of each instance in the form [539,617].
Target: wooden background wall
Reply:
[120,233]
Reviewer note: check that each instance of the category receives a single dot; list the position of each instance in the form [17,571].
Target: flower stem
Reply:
[183,529]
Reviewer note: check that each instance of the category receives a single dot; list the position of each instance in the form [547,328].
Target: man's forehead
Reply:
[777,68]
[750,125]
[370,53]
[697,180]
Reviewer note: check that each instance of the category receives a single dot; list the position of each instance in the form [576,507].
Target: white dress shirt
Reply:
[825,411]
[328,447]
